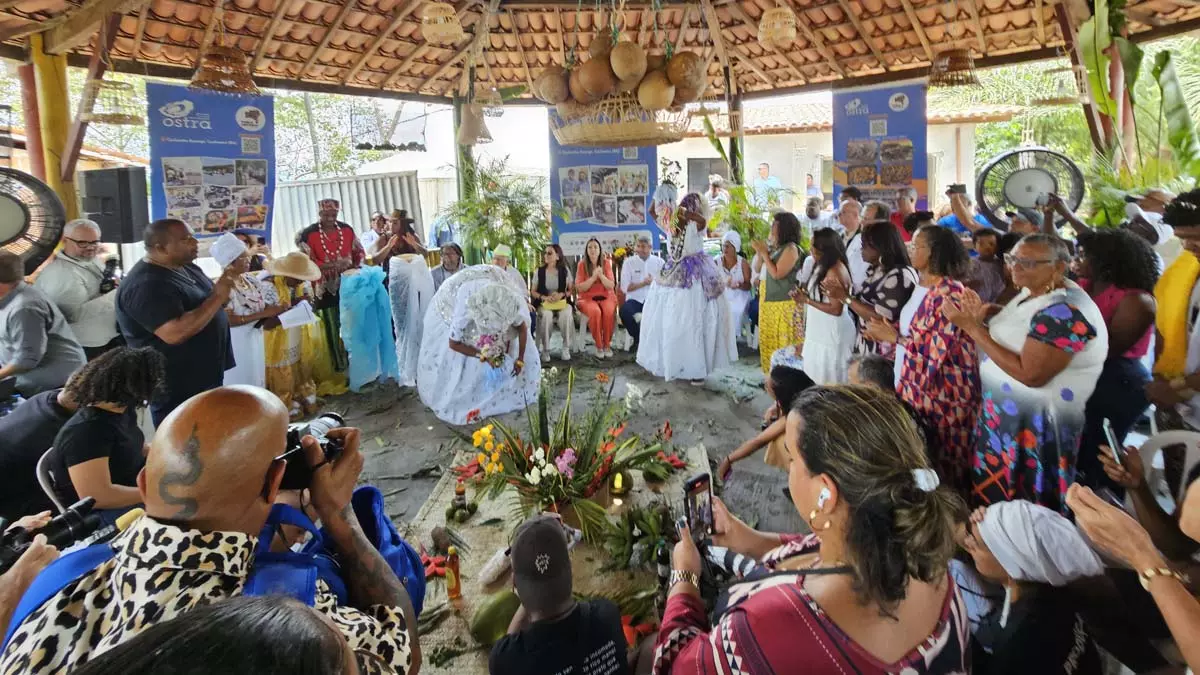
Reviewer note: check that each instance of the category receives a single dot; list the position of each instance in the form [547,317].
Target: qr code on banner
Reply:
[879,127]
[251,145]
[629,153]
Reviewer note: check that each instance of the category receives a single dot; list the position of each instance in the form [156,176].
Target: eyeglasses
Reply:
[84,242]
[1024,263]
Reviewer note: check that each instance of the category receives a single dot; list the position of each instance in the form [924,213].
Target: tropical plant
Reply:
[742,214]
[500,207]
[562,460]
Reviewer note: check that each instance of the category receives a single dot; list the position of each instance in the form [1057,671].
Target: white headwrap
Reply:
[732,237]
[1033,543]
[495,308]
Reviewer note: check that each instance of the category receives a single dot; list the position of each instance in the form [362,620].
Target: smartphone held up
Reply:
[697,504]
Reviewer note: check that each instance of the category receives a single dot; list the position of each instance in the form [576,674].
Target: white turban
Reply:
[495,308]
[732,237]
[1033,543]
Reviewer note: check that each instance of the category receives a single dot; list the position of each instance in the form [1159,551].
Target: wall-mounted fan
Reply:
[1021,178]
[31,217]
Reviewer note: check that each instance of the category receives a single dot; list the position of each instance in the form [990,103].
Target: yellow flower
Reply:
[493,468]
[495,456]
[489,445]
[482,459]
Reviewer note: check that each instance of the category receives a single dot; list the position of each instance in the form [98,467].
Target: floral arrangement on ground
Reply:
[564,459]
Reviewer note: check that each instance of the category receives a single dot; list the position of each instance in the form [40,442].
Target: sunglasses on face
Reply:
[1024,263]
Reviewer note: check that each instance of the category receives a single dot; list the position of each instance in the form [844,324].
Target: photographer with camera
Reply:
[81,285]
[15,580]
[211,478]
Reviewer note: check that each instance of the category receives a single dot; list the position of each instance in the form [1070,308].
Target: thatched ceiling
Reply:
[375,47]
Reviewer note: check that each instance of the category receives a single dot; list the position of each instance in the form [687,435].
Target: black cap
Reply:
[541,563]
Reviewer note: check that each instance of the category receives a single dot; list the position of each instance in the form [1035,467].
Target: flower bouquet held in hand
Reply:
[491,350]
[562,460]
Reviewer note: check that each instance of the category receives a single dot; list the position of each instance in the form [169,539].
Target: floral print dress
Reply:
[1027,438]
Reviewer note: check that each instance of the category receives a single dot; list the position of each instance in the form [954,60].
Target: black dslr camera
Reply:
[298,474]
[72,525]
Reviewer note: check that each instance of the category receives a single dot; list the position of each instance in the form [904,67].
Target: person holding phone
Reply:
[869,592]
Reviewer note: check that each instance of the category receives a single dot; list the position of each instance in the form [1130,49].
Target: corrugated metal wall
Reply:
[296,203]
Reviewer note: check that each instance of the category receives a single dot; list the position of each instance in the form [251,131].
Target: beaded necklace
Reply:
[325,244]
[245,288]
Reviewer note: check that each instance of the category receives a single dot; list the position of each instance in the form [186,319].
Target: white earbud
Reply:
[823,497]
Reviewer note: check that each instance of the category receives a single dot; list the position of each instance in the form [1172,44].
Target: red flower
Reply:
[666,431]
[613,433]
[602,378]
[607,447]
[473,416]
[467,470]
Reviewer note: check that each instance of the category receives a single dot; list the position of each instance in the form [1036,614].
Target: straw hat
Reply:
[295,265]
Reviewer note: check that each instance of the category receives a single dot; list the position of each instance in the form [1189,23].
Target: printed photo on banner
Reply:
[604,210]
[182,171]
[248,195]
[578,207]
[252,217]
[219,171]
[184,197]
[251,172]
[631,210]
[193,217]
[218,196]
[605,180]
[634,179]
[573,181]
[218,220]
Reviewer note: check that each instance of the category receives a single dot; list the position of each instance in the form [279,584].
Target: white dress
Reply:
[828,340]
[906,318]
[686,331]
[410,286]
[459,388]
[249,296]
[736,298]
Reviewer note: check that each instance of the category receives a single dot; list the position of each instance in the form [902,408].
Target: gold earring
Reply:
[812,521]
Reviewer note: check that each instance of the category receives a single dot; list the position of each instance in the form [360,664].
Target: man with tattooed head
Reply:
[211,477]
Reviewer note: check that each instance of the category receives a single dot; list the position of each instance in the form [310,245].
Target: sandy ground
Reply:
[407,447]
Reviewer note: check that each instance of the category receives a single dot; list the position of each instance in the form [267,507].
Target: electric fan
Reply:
[31,217]
[1022,178]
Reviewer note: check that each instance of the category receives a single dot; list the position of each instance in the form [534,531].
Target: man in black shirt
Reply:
[25,435]
[552,634]
[166,302]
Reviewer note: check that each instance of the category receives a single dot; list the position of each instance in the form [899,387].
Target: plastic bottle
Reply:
[453,578]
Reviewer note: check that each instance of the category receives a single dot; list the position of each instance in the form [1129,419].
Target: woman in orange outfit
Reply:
[596,297]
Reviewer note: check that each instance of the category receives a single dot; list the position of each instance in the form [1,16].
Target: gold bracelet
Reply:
[1150,573]
[683,575]
[520,363]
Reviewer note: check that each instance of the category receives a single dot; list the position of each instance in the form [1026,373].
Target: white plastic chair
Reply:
[46,479]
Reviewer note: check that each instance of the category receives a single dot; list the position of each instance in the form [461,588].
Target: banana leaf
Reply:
[509,93]
[1181,133]
[1131,62]
[543,415]
[593,519]
[1095,37]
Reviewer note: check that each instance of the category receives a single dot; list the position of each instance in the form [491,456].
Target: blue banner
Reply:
[604,193]
[212,160]
[879,141]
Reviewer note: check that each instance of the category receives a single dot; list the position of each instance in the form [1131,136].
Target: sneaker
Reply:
[608,353]
[566,355]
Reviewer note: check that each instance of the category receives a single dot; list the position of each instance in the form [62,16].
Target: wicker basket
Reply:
[618,121]
[953,68]
[777,27]
[439,24]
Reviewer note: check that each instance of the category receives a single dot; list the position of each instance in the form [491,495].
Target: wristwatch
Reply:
[683,575]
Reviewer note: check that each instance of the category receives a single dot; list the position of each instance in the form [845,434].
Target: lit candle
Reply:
[617,482]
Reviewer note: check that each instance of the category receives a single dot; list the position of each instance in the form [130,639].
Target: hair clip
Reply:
[926,479]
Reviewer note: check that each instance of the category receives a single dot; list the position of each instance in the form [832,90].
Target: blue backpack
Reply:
[291,573]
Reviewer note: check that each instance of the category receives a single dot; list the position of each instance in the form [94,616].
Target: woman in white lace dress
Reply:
[253,306]
[479,305]
[686,331]
[737,287]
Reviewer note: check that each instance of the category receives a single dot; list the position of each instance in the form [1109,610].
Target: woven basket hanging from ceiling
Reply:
[473,130]
[777,27]
[439,24]
[110,103]
[619,121]
[953,68]
[224,69]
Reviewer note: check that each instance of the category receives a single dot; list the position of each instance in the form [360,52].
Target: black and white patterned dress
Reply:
[886,291]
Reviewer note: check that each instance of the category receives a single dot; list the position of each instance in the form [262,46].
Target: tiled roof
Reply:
[377,47]
[89,151]
[806,117]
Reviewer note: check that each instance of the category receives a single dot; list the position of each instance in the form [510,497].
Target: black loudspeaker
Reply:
[116,200]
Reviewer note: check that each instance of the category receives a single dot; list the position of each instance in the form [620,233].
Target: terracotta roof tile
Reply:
[795,118]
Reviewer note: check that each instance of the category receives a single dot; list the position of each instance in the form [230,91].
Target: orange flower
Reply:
[602,378]
[473,416]
[666,430]
[607,447]
[613,433]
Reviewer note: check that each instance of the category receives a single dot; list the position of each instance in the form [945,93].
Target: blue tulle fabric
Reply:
[367,328]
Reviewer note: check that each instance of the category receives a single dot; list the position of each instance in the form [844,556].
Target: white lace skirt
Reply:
[249,351]
[828,344]
[410,286]
[684,334]
[454,385]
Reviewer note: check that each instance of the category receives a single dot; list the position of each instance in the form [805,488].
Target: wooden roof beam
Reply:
[802,23]
[562,39]
[269,34]
[478,40]
[446,66]
[1039,15]
[140,32]
[327,38]
[215,18]
[714,31]
[97,66]
[862,33]
[398,18]
[974,10]
[917,28]
[76,28]
[521,51]
[683,24]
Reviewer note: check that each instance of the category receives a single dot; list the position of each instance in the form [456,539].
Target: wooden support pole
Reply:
[1090,114]
[51,77]
[97,66]
[733,103]
[33,130]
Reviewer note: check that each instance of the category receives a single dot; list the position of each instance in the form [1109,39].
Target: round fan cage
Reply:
[1023,177]
[31,217]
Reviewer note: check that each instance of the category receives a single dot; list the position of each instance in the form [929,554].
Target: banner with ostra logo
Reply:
[212,160]
[879,136]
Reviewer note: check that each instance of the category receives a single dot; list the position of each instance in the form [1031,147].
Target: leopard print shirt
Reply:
[160,571]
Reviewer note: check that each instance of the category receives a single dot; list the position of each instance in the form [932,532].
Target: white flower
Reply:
[540,455]
[549,469]
[633,398]
[636,532]
[534,476]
